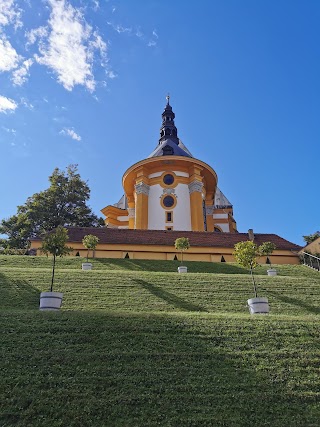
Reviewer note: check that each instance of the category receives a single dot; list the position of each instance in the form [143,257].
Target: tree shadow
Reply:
[150,370]
[15,293]
[166,266]
[169,297]
[294,301]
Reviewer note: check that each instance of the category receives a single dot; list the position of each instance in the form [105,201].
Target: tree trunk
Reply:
[53,266]
[254,283]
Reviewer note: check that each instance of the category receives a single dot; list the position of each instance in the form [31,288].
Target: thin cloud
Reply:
[10,13]
[139,33]
[7,105]
[21,75]
[119,28]
[70,46]
[36,33]
[97,43]
[135,32]
[25,103]
[96,5]
[13,131]
[9,58]
[111,74]
[71,133]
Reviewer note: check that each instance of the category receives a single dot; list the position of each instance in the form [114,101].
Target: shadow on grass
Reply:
[169,297]
[15,293]
[294,301]
[145,371]
[166,266]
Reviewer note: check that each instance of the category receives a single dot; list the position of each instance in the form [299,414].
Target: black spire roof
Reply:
[168,129]
[169,143]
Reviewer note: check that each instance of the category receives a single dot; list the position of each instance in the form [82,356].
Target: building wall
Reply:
[181,213]
[158,252]
[182,210]
[313,247]
[145,188]
[223,226]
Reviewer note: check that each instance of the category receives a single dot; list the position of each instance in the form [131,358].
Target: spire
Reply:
[168,129]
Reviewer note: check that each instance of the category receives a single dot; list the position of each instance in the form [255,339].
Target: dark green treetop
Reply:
[64,203]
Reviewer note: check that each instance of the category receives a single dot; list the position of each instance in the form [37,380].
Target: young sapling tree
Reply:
[55,244]
[182,244]
[90,243]
[266,249]
[246,254]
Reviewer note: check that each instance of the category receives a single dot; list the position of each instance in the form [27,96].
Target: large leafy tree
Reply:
[311,237]
[64,204]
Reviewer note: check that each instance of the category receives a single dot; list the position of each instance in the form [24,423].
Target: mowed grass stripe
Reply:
[148,265]
[147,291]
[144,348]
[146,370]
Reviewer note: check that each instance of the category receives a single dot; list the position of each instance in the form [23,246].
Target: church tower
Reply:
[171,190]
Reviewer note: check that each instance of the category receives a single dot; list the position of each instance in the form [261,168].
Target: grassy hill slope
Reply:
[136,344]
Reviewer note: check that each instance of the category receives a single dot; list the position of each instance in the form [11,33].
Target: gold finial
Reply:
[168,98]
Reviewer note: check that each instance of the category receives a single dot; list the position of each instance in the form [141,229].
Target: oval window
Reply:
[168,201]
[168,179]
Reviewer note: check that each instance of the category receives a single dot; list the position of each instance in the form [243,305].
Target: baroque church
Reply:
[171,190]
[168,195]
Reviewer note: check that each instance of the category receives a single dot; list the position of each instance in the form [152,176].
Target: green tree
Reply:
[3,243]
[90,243]
[247,254]
[64,203]
[182,244]
[311,237]
[55,244]
[266,249]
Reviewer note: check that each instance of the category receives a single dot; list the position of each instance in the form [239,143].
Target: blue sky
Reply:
[85,82]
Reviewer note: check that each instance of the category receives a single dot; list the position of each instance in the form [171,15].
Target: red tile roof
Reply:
[167,238]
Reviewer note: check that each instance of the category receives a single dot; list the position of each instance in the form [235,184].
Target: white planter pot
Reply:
[272,272]
[50,301]
[258,305]
[182,269]
[86,266]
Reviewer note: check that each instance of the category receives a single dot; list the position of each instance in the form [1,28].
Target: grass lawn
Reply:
[137,344]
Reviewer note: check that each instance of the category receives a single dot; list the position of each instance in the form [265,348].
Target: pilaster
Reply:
[195,190]
[209,216]
[141,205]
[131,211]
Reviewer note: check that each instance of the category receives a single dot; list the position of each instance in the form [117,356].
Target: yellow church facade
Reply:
[171,190]
[168,195]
